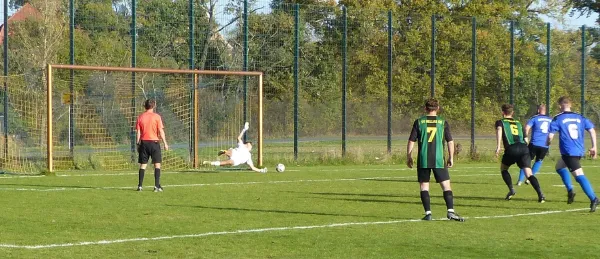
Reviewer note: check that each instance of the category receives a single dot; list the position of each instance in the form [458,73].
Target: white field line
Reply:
[232,183]
[289,170]
[262,230]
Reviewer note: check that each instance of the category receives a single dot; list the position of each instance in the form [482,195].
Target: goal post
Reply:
[201,110]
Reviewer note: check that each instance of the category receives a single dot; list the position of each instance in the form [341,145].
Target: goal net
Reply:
[93,112]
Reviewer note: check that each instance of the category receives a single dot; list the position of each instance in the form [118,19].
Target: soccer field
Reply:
[305,212]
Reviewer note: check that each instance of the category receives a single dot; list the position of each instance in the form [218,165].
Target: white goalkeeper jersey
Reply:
[241,155]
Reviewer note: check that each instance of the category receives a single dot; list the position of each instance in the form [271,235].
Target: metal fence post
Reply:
[583,70]
[432,75]
[344,75]
[512,62]
[548,68]
[5,97]
[133,79]
[473,78]
[296,79]
[72,77]
[193,146]
[245,61]
[389,82]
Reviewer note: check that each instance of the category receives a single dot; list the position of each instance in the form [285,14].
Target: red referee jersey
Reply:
[149,125]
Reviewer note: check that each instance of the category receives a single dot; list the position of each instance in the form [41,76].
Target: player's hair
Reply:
[507,109]
[431,105]
[149,104]
[541,106]
[564,100]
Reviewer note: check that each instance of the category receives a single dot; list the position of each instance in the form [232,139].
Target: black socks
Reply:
[157,177]
[141,176]
[425,200]
[449,198]
[535,184]
[507,179]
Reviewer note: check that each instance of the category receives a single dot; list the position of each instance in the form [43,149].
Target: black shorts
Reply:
[538,152]
[149,149]
[572,162]
[440,174]
[517,153]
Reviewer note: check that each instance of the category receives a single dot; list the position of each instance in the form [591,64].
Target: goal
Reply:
[85,117]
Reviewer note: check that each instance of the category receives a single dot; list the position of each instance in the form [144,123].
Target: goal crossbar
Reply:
[49,85]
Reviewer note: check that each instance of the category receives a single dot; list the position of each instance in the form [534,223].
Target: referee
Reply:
[149,127]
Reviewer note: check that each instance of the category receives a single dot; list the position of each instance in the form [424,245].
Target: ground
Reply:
[305,212]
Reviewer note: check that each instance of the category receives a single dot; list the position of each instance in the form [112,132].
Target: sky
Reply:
[573,22]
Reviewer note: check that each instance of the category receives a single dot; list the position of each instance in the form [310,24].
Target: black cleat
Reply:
[427,217]
[455,217]
[139,188]
[571,197]
[542,199]
[158,189]
[510,194]
[594,204]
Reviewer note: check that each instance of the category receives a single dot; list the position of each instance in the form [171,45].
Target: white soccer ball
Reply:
[280,168]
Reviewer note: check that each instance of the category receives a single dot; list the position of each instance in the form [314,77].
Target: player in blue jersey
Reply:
[570,127]
[539,126]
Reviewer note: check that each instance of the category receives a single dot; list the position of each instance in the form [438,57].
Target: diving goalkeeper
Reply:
[239,155]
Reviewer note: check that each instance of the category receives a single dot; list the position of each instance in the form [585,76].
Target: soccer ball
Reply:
[280,168]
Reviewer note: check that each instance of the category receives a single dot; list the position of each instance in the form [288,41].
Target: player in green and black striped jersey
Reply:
[510,132]
[430,131]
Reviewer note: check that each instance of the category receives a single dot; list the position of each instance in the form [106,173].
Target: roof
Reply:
[26,11]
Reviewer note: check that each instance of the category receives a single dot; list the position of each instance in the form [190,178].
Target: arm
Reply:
[498,140]
[527,132]
[239,138]
[409,149]
[549,140]
[593,149]
[138,137]
[253,168]
[450,153]
[164,139]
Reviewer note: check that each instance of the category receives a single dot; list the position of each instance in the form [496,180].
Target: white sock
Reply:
[428,212]
[450,210]
[215,163]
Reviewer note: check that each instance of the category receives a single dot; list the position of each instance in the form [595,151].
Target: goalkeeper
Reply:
[239,155]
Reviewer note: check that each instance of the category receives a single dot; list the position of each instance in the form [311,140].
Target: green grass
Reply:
[92,206]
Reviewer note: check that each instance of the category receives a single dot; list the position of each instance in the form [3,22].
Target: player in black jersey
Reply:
[510,132]
[431,131]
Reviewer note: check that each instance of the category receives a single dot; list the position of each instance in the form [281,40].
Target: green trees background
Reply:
[103,37]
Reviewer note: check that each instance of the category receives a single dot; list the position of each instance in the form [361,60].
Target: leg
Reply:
[524,162]
[561,169]
[143,161]
[584,183]
[507,180]
[521,177]
[587,188]
[157,185]
[535,184]
[443,178]
[141,173]
[423,175]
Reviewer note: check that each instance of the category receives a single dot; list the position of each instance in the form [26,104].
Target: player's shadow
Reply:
[496,206]
[432,183]
[51,187]
[477,198]
[283,211]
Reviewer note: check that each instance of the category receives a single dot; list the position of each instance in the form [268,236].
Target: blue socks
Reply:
[535,169]
[565,175]
[521,175]
[586,186]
